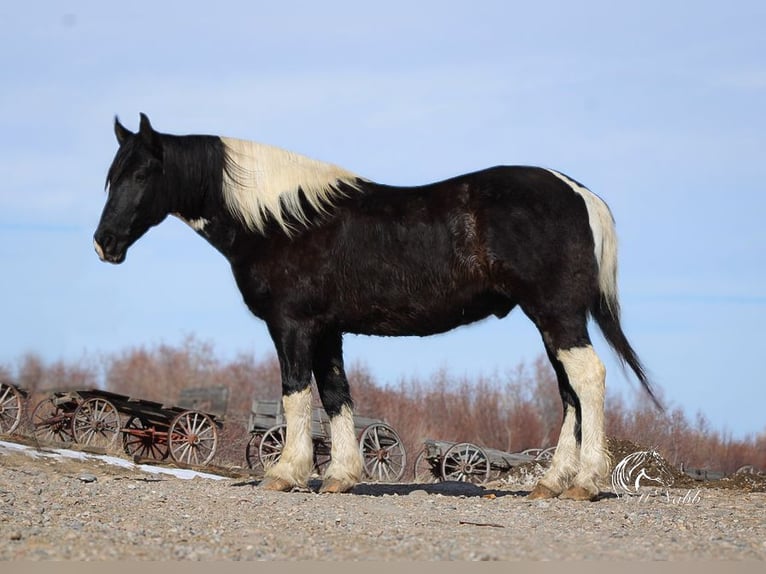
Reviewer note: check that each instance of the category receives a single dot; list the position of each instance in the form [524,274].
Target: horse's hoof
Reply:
[335,485]
[276,484]
[541,492]
[578,493]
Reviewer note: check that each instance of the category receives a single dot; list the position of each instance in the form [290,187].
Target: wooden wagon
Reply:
[467,462]
[145,429]
[382,450]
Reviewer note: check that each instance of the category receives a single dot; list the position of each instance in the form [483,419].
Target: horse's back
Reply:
[521,216]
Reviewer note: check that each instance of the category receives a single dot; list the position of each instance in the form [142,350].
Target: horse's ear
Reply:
[144,123]
[150,137]
[121,131]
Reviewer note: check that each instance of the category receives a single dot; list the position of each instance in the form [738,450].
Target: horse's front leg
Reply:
[293,469]
[345,469]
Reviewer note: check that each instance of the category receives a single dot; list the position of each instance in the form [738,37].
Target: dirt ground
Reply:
[55,508]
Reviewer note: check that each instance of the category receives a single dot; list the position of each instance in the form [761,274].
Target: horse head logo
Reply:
[639,470]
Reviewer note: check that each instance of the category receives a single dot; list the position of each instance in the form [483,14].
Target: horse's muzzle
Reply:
[106,252]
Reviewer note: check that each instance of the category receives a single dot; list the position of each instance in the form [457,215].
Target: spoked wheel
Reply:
[272,443]
[251,452]
[383,453]
[426,472]
[533,453]
[192,438]
[51,423]
[546,454]
[96,422]
[321,456]
[11,403]
[141,440]
[465,462]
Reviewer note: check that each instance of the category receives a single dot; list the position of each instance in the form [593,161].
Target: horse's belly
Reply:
[427,316]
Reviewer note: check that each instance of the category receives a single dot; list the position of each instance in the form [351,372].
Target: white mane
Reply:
[261,182]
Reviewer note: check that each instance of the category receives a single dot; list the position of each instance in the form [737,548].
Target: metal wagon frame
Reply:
[146,429]
[383,453]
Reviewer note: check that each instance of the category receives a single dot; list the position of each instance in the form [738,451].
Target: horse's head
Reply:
[135,200]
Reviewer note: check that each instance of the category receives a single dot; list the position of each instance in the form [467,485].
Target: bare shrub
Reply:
[35,375]
[511,412]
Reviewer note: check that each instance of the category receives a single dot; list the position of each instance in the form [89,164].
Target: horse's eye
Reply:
[139,177]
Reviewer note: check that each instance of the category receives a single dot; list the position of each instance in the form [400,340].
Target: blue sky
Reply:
[659,107]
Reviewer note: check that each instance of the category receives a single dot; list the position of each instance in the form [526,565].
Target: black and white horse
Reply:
[318,251]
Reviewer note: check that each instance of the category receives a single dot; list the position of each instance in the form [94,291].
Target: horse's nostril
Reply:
[99,249]
[109,247]
[105,240]
[103,243]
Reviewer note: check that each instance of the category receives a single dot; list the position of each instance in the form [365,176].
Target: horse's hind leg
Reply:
[345,468]
[566,459]
[587,376]
[581,460]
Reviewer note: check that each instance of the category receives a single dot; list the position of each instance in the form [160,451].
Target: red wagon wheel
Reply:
[192,438]
[465,462]
[383,453]
[51,422]
[272,443]
[141,439]
[11,403]
[96,422]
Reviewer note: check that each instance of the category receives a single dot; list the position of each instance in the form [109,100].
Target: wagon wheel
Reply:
[140,440]
[321,456]
[465,462]
[272,443]
[425,471]
[50,422]
[383,454]
[96,422]
[251,451]
[746,469]
[533,453]
[192,438]
[546,454]
[10,408]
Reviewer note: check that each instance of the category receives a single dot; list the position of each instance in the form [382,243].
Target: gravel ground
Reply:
[89,510]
